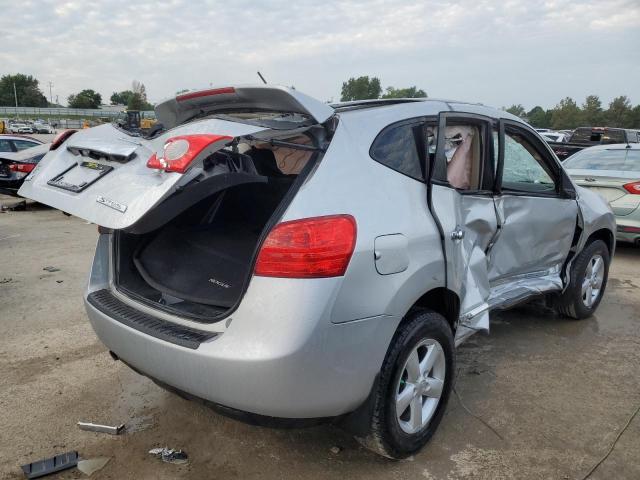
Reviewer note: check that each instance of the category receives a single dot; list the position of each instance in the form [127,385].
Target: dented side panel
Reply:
[468,224]
[535,235]
[596,215]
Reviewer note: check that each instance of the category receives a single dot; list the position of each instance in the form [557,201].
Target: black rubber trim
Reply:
[107,303]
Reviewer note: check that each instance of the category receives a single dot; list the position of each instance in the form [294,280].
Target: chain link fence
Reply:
[65,117]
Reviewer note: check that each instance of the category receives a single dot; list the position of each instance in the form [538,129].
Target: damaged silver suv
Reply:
[286,260]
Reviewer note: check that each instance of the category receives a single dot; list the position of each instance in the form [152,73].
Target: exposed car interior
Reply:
[195,258]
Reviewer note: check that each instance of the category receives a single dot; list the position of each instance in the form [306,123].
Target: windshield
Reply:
[619,159]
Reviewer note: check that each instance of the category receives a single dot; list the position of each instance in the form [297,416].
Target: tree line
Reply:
[567,114]
[27,90]
[365,88]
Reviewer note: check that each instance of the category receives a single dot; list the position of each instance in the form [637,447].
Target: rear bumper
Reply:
[10,186]
[278,355]
[323,371]
[628,229]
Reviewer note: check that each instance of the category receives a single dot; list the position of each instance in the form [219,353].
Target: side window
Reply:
[396,148]
[464,154]
[524,169]
[22,144]
[5,146]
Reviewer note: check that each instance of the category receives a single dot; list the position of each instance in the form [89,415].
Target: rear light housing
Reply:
[625,229]
[60,138]
[179,152]
[316,247]
[22,167]
[633,187]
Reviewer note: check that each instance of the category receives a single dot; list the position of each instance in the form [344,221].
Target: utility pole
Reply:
[15,95]
[50,92]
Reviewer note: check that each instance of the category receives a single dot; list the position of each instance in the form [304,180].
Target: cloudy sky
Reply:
[494,52]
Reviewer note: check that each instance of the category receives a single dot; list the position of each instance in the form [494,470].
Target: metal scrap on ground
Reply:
[94,427]
[170,455]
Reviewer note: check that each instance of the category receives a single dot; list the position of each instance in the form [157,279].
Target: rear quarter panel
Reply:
[383,202]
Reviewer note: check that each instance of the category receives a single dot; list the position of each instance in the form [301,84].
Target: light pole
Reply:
[15,95]
[50,92]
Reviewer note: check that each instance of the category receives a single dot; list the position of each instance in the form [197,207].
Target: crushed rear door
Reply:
[101,174]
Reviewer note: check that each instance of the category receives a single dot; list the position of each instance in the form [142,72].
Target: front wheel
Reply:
[588,280]
[415,383]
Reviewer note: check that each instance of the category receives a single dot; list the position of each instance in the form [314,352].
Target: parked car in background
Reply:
[15,127]
[42,127]
[15,143]
[280,257]
[15,166]
[612,171]
[584,137]
[554,136]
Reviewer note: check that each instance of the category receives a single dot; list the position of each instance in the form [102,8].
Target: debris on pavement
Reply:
[16,206]
[92,465]
[51,269]
[50,465]
[94,427]
[170,455]
[336,450]
[6,280]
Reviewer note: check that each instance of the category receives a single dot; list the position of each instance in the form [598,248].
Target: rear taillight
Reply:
[179,152]
[308,248]
[60,138]
[22,167]
[633,187]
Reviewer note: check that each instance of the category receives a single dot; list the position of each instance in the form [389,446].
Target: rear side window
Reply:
[396,148]
[23,144]
[5,146]
[625,160]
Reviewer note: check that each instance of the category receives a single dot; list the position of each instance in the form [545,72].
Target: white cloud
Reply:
[494,52]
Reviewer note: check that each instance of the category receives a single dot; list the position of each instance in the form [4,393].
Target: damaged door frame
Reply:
[465,259]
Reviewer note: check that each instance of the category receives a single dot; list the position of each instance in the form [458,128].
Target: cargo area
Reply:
[193,254]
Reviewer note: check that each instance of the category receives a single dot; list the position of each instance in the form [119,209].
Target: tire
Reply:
[388,431]
[574,302]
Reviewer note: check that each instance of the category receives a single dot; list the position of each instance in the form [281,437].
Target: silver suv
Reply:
[290,261]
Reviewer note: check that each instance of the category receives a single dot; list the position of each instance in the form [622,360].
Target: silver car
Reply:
[286,260]
[612,171]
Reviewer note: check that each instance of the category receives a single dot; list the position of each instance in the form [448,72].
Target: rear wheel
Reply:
[415,383]
[588,280]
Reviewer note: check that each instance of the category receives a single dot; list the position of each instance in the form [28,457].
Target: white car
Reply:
[21,128]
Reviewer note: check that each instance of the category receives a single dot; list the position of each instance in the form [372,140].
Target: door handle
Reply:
[457,234]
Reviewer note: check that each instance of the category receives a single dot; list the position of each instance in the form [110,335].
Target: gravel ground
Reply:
[548,395]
